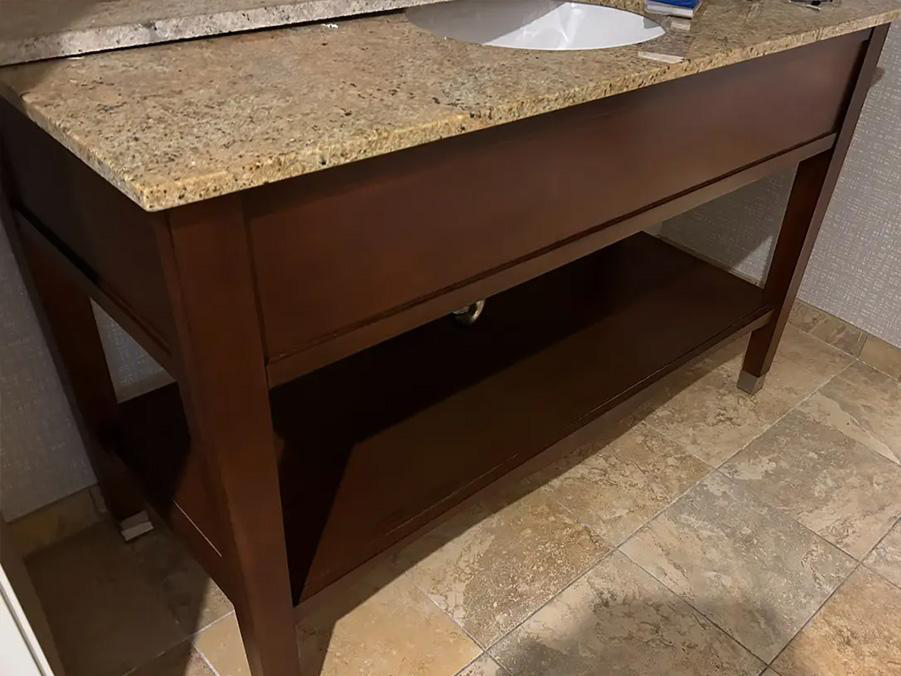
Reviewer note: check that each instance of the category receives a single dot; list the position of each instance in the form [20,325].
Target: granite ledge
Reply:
[147,157]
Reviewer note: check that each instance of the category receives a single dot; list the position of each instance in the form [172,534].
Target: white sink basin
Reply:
[534,24]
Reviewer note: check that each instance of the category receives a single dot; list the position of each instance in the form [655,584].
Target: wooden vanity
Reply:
[325,403]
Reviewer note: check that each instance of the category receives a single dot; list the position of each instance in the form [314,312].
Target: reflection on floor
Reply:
[712,533]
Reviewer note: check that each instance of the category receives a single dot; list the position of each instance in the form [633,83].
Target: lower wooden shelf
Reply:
[376,445]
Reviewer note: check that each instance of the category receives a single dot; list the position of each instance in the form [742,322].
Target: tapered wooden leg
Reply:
[787,267]
[226,395]
[813,187]
[66,316]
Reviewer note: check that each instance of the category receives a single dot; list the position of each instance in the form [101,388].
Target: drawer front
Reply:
[336,249]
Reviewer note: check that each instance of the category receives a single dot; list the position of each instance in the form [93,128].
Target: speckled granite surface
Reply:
[182,122]
[44,29]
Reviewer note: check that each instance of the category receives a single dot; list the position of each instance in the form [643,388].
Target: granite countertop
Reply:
[177,123]
[44,29]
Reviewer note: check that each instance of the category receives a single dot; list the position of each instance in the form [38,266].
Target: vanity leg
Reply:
[70,330]
[814,184]
[793,247]
[224,388]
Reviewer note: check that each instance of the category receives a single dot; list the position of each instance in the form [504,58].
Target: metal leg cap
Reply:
[748,382]
[135,526]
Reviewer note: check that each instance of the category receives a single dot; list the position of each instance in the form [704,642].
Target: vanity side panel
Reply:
[102,232]
[340,248]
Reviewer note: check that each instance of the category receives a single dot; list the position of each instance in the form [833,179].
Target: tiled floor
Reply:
[716,533]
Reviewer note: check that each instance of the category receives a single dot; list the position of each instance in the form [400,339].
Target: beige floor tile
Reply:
[194,599]
[756,573]
[105,617]
[484,666]
[885,558]
[839,333]
[856,633]
[376,624]
[805,316]
[490,567]
[802,365]
[882,356]
[380,624]
[618,619]
[713,419]
[221,646]
[621,485]
[865,405]
[827,481]
[182,660]
[53,523]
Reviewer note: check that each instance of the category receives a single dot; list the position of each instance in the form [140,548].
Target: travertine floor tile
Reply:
[885,558]
[195,600]
[221,646]
[182,660]
[856,633]
[713,419]
[484,666]
[864,404]
[490,576]
[840,334]
[756,573]
[882,356]
[618,487]
[827,481]
[378,624]
[805,316]
[105,616]
[802,365]
[53,523]
[619,620]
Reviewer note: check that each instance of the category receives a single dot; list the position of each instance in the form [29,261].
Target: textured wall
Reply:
[855,273]
[855,270]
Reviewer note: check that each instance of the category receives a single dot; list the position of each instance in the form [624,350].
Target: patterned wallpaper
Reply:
[855,273]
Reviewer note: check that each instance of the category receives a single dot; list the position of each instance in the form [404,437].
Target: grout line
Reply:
[197,631]
[815,613]
[777,420]
[578,577]
[697,610]
[794,408]
[207,626]
[470,663]
[205,660]
[791,518]
[864,563]
[857,565]
[503,669]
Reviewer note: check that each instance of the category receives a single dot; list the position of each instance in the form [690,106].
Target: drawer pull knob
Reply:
[468,315]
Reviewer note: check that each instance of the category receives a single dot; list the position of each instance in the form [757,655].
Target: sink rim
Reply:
[536,25]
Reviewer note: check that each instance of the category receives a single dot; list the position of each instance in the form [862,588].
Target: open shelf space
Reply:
[376,445]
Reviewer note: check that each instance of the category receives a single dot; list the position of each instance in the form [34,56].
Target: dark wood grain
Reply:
[103,233]
[207,266]
[500,279]
[388,231]
[812,190]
